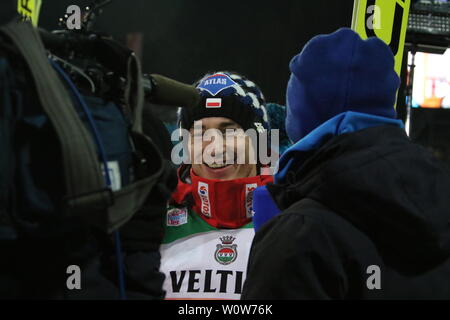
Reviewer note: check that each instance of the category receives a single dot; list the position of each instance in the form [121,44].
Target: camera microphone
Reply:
[166,91]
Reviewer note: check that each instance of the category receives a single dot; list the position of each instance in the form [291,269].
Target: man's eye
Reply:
[232,132]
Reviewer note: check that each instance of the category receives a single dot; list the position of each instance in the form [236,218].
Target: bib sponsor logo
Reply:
[216,83]
[249,188]
[207,281]
[177,217]
[226,252]
[204,197]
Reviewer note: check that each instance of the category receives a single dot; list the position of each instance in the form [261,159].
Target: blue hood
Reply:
[345,122]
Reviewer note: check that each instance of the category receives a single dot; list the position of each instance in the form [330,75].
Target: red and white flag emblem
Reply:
[213,103]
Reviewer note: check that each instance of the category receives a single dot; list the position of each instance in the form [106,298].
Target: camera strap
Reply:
[87,194]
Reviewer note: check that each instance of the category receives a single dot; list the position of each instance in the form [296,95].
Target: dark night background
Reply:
[184,39]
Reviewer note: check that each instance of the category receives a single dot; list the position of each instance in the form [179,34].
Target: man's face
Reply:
[214,153]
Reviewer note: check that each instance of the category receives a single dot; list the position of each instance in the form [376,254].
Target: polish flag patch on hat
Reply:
[213,103]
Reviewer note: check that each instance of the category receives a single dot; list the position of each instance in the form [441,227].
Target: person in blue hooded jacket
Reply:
[365,213]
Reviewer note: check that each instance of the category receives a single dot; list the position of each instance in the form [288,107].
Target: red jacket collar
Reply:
[222,204]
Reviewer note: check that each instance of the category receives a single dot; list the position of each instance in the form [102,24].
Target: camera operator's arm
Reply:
[141,237]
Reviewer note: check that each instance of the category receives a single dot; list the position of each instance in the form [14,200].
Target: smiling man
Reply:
[209,220]
[225,153]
